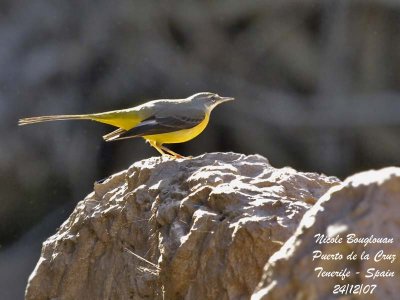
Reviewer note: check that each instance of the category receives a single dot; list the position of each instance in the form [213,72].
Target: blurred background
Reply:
[317,86]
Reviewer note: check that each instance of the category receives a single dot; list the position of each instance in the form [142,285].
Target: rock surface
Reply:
[200,228]
[367,205]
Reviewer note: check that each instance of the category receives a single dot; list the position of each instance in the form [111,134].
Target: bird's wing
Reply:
[162,124]
[113,135]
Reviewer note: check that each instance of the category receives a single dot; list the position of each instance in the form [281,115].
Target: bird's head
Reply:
[209,100]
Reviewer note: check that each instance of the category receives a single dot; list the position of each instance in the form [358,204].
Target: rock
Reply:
[199,228]
[365,205]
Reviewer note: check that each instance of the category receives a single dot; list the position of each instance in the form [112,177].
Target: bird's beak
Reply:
[224,99]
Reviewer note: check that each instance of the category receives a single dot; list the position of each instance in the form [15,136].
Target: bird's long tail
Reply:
[124,119]
[33,120]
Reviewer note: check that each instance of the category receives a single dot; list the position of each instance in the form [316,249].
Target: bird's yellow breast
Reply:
[179,136]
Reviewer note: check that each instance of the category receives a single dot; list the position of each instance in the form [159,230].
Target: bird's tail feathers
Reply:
[33,120]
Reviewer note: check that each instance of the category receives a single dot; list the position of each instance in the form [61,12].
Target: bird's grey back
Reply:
[167,107]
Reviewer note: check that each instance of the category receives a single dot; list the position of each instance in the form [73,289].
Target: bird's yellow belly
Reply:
[180,136]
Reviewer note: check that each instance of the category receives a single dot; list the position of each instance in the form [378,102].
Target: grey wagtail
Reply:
[164,121]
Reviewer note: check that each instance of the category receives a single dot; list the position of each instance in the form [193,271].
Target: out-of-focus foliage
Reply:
[317,87]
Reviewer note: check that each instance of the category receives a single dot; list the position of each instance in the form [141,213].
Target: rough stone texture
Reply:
[206,227]
[365,204]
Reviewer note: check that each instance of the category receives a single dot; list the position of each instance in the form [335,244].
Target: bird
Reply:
[159,122]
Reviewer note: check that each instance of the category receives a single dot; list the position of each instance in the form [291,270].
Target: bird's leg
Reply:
[157,147]
[164,150]
[171,152]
